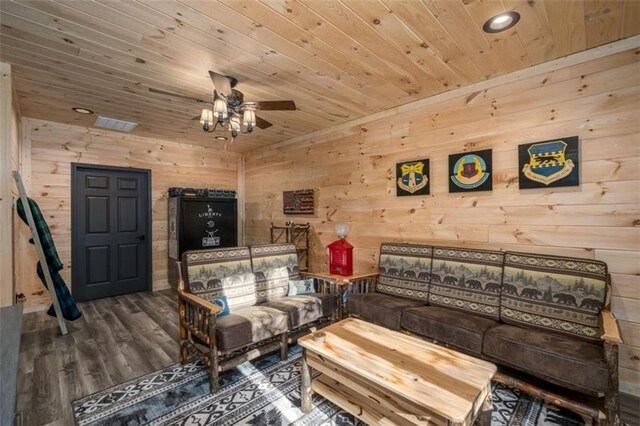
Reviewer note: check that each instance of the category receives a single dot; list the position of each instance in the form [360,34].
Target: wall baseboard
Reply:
[36,308]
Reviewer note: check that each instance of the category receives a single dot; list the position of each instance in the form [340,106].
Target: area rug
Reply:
[263,392]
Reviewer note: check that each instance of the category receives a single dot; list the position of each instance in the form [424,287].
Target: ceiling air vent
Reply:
[113,124]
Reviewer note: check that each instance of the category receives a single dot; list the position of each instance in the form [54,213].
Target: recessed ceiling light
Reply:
[82,110]
[221,138]
[501,22]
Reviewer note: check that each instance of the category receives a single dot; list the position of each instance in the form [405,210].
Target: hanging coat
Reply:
[68,307]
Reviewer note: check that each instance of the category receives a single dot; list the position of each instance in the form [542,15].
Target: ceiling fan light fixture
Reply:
[226,108]
[206,119]
[234,125]
[249,118]
[501,22]
[220,109]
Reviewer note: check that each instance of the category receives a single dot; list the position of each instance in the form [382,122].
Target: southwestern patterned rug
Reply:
[264,392]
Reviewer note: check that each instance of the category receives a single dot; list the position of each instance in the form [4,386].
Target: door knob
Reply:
[141,237]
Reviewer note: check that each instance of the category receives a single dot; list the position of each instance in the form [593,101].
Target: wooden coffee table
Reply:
[384,377]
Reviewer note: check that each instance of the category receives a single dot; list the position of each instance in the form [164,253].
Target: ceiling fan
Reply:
[229,108]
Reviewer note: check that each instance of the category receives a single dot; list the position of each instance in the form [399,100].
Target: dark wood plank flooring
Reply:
[117,339]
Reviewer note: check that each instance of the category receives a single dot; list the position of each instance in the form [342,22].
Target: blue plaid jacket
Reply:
[69,309]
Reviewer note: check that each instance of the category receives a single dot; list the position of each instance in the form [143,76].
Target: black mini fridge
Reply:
[200,223]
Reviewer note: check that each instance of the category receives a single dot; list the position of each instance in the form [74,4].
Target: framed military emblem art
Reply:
[471,171]
[412,178]
[549,164]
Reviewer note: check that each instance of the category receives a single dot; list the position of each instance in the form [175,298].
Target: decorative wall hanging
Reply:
[471,171]
[412,178]
[550,163]
[297,202]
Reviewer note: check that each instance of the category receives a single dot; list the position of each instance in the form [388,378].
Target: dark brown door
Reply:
[110,226]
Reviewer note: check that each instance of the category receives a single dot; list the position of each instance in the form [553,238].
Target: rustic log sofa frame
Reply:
[263,319]
[545,316]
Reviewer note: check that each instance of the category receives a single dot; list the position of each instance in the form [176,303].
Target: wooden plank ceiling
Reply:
[338,60]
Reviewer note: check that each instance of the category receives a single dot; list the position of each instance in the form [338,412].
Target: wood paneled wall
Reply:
[17,235]
[9,160]
[353,172]
[54,146]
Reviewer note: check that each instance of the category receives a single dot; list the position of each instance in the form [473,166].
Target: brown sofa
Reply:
[263,319]
[544,319]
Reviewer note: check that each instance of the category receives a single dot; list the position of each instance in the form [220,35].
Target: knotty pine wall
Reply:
[9,160]
[353,173]
[17,234]
[54,146]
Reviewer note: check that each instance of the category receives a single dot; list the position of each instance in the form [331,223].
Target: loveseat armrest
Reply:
[212,308]
[197,316]
[610,330]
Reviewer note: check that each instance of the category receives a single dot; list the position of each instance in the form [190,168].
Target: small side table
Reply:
[343,285]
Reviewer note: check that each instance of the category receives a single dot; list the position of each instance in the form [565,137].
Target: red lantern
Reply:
[341,258]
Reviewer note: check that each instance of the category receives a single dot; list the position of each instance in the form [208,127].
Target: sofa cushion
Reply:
[404,270]
[306,286]
[273,266]
[221,272]
[305,308]
[558,359]
[223,302]
[467,280]
[249,325]
[381,309]
[462,330]
[559,294]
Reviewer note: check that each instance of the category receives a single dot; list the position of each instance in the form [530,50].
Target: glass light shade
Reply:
[206,117]
[249,118]
[342,229]
[234,125]
[220,109]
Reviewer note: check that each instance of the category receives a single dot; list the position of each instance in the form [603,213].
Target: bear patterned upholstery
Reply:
[550,356]
[273,266]
[249,325]
[305,308]
[563,295]
[467,280]
[213,273]
[404,270]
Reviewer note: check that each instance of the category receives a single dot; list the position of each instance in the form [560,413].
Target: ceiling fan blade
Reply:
[221,83]
[262,123]
[276,105]
[177,95]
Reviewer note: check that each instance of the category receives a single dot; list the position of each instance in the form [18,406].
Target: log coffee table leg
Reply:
[305,384]
[484,417]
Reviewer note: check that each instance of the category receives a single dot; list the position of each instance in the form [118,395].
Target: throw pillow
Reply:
[301,287]
[223,303]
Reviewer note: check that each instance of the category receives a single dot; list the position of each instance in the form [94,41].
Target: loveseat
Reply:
[234,305]
[543,319]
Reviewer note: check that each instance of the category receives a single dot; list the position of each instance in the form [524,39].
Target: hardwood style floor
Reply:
[117,339]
